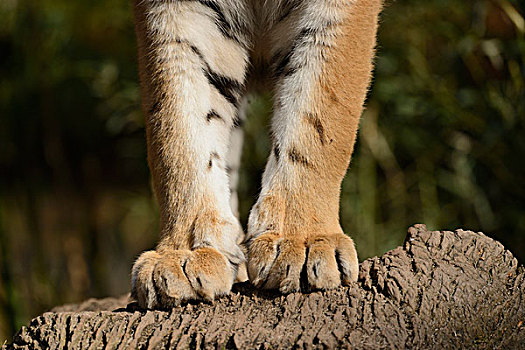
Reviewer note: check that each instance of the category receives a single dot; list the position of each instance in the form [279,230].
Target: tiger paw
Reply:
[322,261]
[164,280]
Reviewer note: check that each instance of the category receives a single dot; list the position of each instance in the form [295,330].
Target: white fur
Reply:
[182,24]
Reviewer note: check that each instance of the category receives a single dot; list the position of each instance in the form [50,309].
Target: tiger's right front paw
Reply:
[164,280]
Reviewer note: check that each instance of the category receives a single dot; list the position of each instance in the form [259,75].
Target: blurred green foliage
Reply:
[442,141]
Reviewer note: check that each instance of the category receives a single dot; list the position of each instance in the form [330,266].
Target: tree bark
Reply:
[439,290]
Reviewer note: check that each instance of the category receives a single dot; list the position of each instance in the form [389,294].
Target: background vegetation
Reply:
[442,141]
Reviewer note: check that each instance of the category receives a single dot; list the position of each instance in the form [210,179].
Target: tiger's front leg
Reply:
[192,59]
[322,53]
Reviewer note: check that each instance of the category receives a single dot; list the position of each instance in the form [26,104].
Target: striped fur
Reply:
[197,59]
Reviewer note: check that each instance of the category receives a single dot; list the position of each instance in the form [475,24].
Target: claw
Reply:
[322,262]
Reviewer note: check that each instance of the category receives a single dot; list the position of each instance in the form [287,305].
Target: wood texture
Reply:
[439,290]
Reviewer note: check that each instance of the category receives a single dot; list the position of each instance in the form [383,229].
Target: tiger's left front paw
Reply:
[322,261]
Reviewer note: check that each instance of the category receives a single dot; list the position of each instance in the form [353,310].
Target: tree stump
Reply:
[439,290]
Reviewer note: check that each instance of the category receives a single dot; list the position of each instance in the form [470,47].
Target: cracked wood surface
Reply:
[439,290]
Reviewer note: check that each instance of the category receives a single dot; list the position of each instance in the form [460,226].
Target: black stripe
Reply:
[276,152]
[213,115]
[233,31]
[213,155]
[282,67]
[305,32]
[282,60]
[198,53]
[296,157]
[283,63]
[318,126]
[237,122]
[228,88]
[222,23]
[180,41]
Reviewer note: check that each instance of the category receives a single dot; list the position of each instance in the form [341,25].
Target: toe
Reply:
[170,281]
[142,286]
[209,273]
[321,265]
[262,254]
[285,273]
[346,257]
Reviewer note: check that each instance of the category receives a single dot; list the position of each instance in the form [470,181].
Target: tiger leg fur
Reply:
[321,52]
[193,57]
